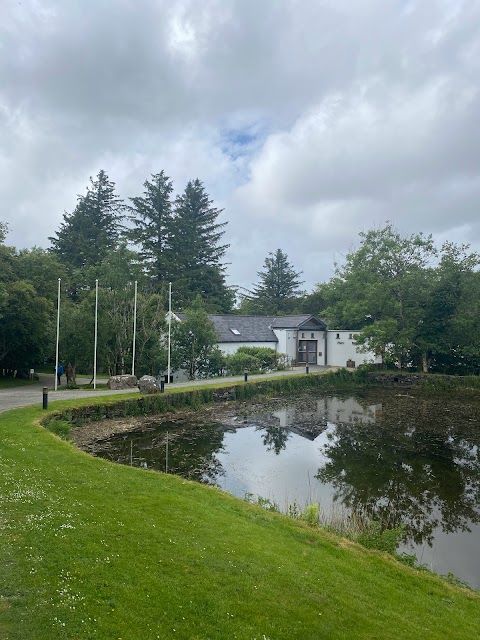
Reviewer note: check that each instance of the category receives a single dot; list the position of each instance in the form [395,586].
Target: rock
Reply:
[148,384]
[122,382]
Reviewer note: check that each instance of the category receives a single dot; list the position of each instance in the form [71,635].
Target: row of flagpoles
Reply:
[96,332]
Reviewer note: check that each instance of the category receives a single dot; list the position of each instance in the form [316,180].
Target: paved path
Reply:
[24,396]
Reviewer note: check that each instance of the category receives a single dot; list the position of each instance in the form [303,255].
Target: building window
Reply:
[235,332]
[312,335]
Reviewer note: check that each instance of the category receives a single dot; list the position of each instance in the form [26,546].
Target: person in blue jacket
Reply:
[59,373]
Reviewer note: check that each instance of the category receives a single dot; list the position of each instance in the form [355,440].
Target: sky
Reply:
[308,121]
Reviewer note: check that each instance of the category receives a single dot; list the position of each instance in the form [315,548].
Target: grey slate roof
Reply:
[294,322]
[256,328]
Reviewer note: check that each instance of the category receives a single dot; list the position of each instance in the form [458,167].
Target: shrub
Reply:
[238,362]
[311,514]
[265,359]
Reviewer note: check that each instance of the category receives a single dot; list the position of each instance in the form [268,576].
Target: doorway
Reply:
[307,351]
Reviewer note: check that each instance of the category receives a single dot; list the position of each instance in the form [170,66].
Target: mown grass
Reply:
[8,383]
[89,549]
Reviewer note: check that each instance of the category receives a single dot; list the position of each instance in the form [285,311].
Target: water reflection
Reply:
[417,469]
[403,460]
[180,450]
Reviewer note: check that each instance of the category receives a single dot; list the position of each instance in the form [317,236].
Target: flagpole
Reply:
[134,329]
[58,334]
[96,329]
[169,329]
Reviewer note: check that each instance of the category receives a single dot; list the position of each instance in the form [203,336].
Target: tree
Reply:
[383,289]
[448,333]
[152,216]
[278,291]
[195,266]
[87,235]
[26,327]
[42,269]
[3,231]
[194,341]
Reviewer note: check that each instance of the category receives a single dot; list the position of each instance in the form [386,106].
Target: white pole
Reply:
[96,328]
[134,329]
[169,329]
[58,333]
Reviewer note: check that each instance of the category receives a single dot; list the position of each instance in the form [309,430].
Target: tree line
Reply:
[409,302]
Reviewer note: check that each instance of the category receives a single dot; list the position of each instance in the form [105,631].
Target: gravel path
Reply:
[24,396]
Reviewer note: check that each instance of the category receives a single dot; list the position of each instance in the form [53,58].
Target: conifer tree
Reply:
[196,252]
[152,217]
[278,290]
[88,234]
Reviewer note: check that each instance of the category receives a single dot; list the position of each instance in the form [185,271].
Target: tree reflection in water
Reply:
[274,438]
[419,466]
[192,453]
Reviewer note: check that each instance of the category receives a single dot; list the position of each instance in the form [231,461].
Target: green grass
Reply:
[7,383]
[89,549]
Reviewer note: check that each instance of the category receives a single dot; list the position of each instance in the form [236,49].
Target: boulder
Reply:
[148,384]
[122,382]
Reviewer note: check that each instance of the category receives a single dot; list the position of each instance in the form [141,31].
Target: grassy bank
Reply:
[89,549]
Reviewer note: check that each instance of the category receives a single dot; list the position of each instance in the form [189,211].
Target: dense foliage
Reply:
[410,303]
[412,306]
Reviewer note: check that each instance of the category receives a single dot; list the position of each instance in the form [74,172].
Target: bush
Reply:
[238,362]
[259,359]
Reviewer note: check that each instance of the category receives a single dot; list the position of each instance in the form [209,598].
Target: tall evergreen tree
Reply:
[278,291]
[152,216]
[196,252]
[88,234]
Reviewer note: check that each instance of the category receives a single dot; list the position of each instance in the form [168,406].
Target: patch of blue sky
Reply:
[240,141]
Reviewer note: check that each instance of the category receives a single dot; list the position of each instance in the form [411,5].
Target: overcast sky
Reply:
[307,120]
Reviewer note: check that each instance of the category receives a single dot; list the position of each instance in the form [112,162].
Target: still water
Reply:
[404,460]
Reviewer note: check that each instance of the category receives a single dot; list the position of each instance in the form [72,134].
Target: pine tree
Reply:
[196,252]
[152,216]
[278,291]
[88,234]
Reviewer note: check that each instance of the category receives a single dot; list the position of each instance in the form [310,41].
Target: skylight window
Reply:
[235,332]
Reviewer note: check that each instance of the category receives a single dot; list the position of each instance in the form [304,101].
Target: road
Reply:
[23,396]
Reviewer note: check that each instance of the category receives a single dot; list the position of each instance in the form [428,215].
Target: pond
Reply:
[402,459]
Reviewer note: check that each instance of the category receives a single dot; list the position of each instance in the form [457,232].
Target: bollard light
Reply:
[45,397]
[162,386]
[245,375]
[307,369]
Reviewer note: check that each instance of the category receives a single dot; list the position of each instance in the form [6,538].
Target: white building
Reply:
[303,338]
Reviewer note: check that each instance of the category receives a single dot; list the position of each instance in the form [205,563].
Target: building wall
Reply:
[341,347]
[288,342]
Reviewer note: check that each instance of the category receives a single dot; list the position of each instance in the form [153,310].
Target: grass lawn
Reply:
[7,382]
[89,549]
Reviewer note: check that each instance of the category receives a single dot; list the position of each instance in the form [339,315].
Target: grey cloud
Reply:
[358,112]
